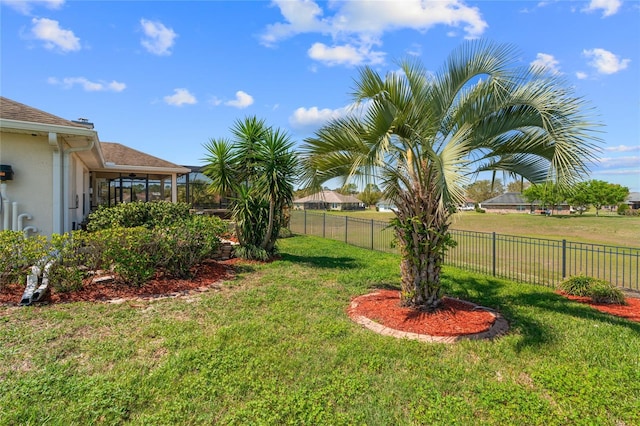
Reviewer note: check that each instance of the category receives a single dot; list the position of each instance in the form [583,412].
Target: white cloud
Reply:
[242,100]
[159,39]
[345,55]
[180,97]
[53,36]
[581,75]
[26,6]
[87,85]
[608,7]
[605,62]
[623,148]
[546,61]
[315,117]
[356,26]
[619,162]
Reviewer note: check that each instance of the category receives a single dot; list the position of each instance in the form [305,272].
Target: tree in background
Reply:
[548,194]
[482,190]
[371,194]
[348,189]
[518,186]
[256,171]
[421,135]
[579,196]
[603,193]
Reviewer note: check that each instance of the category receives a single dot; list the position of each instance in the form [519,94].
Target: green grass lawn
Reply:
[275,346]
[606,229]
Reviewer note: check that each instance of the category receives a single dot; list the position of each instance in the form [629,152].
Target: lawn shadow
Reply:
[322,261]
[487,292]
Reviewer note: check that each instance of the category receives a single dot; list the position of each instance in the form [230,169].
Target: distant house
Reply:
[386,206]
[328,200]
[54,171]
[633,200]
[509,202]
[468,204]
[514,202]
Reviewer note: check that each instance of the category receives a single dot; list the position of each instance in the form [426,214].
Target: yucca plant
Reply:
[256,171]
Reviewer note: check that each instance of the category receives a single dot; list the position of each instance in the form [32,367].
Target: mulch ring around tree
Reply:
[381,312]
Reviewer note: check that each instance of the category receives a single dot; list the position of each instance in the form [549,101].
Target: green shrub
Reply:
[187,243]
[131,252]
[251,252]
[17,254]
[623,209]
[577,286]
[604,292]
[599,291]
[130,215]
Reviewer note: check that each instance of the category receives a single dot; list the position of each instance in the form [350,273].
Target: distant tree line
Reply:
[596,193]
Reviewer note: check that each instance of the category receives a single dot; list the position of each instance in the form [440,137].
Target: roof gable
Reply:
[122,155]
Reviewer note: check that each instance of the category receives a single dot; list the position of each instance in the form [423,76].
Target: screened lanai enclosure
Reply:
[110,189]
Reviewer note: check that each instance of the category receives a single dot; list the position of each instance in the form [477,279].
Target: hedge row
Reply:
[168,244]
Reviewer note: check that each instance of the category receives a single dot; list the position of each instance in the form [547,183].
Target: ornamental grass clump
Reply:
[600,291]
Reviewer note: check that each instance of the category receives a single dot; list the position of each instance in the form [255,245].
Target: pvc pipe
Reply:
[6,214]
[21,217]
[14,216]
[29,228]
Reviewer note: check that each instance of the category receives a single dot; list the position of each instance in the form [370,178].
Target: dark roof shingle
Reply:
[12,110]
[124,156]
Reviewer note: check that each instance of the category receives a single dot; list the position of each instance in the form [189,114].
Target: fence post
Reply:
[493,260]
[346,226]
[324,224]
[564,259]
[371,234]
[305,222]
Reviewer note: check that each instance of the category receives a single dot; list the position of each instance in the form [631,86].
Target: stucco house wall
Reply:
[31,184]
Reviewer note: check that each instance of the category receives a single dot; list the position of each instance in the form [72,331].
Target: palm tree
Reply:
[256,170]
[422,135]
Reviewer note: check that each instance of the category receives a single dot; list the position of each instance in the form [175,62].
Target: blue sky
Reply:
[164,77]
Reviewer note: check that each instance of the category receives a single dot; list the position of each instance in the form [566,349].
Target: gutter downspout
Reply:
[64,176]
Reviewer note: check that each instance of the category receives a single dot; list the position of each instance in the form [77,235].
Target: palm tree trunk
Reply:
[422,234]
[267,236]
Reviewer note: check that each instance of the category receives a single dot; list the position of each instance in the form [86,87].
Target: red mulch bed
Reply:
[454,318]
[204,276]
[630,311]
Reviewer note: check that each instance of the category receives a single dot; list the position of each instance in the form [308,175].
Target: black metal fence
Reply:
[531,260]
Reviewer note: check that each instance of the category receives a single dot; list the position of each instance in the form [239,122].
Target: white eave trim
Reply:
[47,128]
[148,169]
